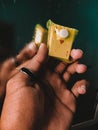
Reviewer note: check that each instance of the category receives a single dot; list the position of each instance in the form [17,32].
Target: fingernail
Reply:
[30,46]
[42,45]
[76,53]
[81,68]
[82,89]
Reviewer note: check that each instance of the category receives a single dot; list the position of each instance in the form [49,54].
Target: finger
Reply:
[6,67]
[26,53]
[75,55]
[31,66]
[61,91]
[80,88]
[74,68]
[60,67]
[5,72]
[35,62]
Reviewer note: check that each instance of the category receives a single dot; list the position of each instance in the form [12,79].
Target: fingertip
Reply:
[43,46]
[80,88]
[32,45]
[76,53]
[43,49]
[81,68]
[41,54]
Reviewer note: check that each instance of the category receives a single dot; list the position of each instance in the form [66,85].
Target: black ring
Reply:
[31,75]
[34,79]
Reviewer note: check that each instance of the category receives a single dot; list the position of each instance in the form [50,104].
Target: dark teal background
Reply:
[81,14]
[23,15]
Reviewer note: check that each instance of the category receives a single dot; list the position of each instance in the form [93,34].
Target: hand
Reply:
[61,102]
[62,105]
[22,106]
[7,67]
[28,103]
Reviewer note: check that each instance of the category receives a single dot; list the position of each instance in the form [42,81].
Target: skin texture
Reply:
[40,106]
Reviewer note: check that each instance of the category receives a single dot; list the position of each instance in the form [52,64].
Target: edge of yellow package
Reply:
[40,35]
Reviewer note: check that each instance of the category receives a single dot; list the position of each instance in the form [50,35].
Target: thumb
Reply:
[36,62]
[41,55]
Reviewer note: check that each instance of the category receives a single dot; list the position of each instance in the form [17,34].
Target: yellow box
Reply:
[60,40]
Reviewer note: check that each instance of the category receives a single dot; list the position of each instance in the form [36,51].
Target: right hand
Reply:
[58,106]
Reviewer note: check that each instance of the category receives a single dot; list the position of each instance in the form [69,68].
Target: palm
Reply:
[57,101]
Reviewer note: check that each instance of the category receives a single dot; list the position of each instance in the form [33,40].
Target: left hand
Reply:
[8,66]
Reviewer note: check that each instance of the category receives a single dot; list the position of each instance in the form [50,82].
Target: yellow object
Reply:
[60,40]
[40,35]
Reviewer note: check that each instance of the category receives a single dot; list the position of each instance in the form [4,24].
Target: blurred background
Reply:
[18,19]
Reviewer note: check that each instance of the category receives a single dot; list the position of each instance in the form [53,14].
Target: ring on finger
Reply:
[31,75]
